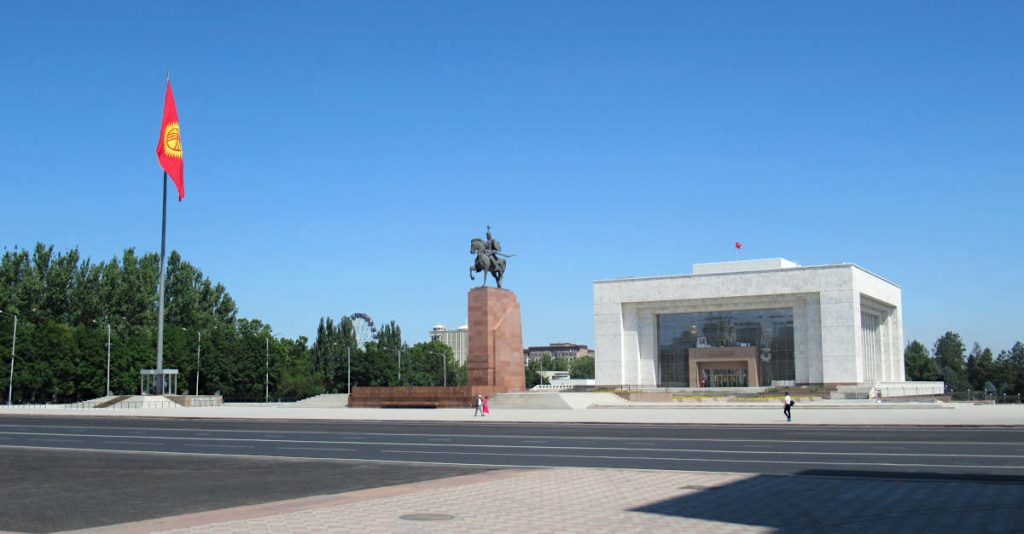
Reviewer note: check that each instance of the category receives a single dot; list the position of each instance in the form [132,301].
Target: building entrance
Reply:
[719,377]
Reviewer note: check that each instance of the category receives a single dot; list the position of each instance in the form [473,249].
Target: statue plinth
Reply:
[495,355]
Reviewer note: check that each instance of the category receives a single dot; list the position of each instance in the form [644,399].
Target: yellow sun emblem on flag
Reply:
[172,140]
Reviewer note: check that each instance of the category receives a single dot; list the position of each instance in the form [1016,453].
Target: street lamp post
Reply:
[444,369]
[199,352]
[348,388]
[14,341]
[399,367]
[267,398]
[108,358]
[107,321]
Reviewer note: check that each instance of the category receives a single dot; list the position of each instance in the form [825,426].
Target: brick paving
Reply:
[629,501]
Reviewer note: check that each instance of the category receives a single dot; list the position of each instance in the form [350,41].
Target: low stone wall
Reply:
[908,389]
[417,396]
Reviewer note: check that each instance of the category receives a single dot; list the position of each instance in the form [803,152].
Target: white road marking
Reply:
[332,449]
[217,445]
[580,438]
[967,454]
[417,462]
[614,438]
[723,460]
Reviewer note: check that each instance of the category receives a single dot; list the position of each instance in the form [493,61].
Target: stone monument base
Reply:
[495,355]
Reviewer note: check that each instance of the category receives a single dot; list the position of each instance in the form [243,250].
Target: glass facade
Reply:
[771,331]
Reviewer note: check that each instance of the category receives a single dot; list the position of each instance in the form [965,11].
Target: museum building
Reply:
[749,323]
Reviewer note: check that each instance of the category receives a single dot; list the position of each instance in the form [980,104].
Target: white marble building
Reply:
[749,323]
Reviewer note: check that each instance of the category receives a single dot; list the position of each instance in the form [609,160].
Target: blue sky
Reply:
[339,156]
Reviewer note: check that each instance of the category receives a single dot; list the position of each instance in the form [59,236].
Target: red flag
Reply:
[168,147]
[739,245]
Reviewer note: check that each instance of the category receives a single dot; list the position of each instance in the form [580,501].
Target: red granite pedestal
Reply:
[495,355]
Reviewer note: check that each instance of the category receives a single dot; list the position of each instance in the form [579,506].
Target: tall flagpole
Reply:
[163,276]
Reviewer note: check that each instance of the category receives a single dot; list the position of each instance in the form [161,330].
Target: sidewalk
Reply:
[803,414]
[624,501]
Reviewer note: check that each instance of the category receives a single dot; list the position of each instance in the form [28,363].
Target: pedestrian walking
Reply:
[487,405]
[787,405]
[479,406]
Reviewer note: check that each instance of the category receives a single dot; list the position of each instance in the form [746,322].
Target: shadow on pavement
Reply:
[855,501]
[46,490]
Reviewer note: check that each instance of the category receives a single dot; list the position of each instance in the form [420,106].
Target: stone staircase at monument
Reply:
[129,402]
[555,400]
[327,400]
[108,401]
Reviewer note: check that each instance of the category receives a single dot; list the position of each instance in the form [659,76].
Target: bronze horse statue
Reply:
[487,261]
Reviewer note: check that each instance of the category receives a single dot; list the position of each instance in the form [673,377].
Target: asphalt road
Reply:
[971,453]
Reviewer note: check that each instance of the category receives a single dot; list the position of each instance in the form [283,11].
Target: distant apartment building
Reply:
[457,339]
[568,351]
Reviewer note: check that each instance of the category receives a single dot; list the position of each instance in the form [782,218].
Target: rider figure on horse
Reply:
[493,246]
[489,258]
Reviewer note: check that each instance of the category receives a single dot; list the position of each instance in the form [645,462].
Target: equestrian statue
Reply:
[489,258]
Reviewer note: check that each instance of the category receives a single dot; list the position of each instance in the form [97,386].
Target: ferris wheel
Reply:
[365,330]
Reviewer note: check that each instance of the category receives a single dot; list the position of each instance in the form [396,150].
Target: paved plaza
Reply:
[816,413]
[903,497]
[628,501]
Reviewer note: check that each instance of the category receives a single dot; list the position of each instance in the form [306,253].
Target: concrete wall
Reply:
[827,302]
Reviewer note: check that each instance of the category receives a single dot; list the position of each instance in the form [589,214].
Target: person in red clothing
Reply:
[487,405]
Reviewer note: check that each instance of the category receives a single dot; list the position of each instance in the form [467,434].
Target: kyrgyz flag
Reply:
[168,148]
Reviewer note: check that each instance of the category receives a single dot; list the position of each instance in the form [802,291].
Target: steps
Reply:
[516,401]
[106,402]
[584,400]
[852,392]
[133,402]
[327,400]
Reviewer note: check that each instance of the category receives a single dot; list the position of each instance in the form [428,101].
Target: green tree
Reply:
[981,367]
[582,367]
[549,363]
[533,377]
[950,351]
[428,363]
[299,376]
[331,348]
[918,364]
[949,359]
[1009,370]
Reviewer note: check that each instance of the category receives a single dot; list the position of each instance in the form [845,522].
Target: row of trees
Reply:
[578,368]
[377,363]
[980,370]
[65,305]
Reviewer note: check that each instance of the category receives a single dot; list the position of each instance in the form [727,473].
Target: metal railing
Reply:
[979,395]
